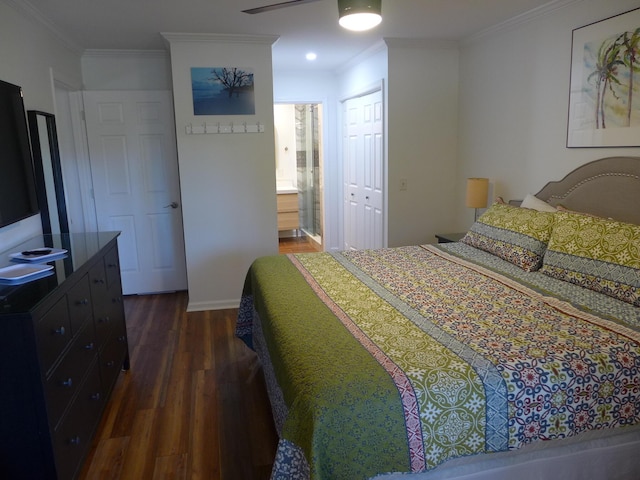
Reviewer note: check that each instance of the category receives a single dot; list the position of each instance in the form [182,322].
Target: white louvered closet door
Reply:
[363,157]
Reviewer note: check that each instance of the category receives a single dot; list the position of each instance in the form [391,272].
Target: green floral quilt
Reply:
[395,360]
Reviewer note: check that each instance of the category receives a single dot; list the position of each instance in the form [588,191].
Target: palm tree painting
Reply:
[222,91]
[605,91]
[613,63]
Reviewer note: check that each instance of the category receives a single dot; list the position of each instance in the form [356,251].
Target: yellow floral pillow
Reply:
[596,253]
[518,235]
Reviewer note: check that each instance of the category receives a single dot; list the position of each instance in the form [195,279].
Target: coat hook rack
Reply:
[217,128]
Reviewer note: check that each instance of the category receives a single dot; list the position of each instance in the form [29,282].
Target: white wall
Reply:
[285,139]
[227,180]
[32,56]
[514,97]
[126,70]
[422,139]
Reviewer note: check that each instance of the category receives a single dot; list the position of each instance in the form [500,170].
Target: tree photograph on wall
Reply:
[604,104]
[222,91]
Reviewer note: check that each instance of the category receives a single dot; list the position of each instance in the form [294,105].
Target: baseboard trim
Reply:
[214,305]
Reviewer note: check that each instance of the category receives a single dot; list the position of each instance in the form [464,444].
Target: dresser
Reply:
[63,343]
[288,211]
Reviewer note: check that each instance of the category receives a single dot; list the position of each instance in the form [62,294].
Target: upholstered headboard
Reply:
[609,187]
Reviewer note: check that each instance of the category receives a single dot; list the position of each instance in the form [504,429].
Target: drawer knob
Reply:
[99,280]
[84,301]
[67,383]
[89,346]
[122,338]
[96,396]
[60,331]
[74,440]
[103,320]
[112,265]
[110,363]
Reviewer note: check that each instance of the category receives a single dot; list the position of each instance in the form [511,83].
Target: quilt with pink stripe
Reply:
[395,360]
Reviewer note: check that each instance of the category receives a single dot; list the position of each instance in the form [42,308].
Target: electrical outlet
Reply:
[403,184]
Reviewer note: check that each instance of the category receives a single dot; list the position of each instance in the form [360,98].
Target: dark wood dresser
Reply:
[63,343]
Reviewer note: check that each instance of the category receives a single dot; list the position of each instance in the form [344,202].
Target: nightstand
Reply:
[449,237]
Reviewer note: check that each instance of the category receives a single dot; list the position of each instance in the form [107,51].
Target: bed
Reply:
[514,353]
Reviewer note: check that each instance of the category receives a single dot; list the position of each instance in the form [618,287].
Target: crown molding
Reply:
[420,43]
[541,11]
[219,38]
[378,46]
[33,14]
[125,53]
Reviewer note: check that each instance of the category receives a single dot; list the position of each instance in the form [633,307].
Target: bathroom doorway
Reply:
[299,161]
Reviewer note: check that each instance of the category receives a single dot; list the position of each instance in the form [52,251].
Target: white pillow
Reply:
[535,203]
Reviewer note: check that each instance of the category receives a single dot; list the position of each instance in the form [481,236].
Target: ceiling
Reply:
[137,24]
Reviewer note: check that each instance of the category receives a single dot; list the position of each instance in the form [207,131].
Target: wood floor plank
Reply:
[191,406]
[107,459]
[140,458]
[204,431]
[172,467]
[176,413]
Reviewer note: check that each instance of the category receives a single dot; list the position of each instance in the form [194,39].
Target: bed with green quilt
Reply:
[515,352]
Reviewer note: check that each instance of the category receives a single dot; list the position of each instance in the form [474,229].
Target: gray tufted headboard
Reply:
[609,187]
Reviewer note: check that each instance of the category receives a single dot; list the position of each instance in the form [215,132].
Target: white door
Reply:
[363,158]
[134,168]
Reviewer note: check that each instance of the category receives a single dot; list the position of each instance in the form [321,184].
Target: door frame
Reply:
[328,223]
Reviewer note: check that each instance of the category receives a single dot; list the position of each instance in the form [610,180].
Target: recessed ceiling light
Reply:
[311,56]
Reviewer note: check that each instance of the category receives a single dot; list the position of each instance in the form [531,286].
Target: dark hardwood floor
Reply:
[194,404]
[298,245]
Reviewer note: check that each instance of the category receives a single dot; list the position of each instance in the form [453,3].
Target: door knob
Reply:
[172,205]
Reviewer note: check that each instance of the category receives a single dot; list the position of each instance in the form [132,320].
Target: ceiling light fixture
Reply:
[311,56]
[360,15]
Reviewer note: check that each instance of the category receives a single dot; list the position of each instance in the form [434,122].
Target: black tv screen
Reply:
[17,184]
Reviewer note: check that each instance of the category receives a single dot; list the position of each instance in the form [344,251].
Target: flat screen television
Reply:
[17,182]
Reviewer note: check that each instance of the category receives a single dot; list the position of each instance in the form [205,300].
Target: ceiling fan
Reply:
[354,14]
[276,6]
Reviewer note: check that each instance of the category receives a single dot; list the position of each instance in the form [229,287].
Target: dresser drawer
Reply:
[287,202]
[79,298]
[65,380]
[101,300]
[53,333]
[112,267]
[108,315]
[112,357]
[288,221]
[72,438]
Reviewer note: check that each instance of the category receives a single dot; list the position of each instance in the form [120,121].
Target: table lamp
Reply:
[477,191]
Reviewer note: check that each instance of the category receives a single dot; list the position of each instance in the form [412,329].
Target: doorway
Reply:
[299,162]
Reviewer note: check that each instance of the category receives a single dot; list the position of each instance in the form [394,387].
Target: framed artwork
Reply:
[222,91]
[604,98]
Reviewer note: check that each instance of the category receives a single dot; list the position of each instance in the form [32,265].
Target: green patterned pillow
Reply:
[518,235]
[596,253]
